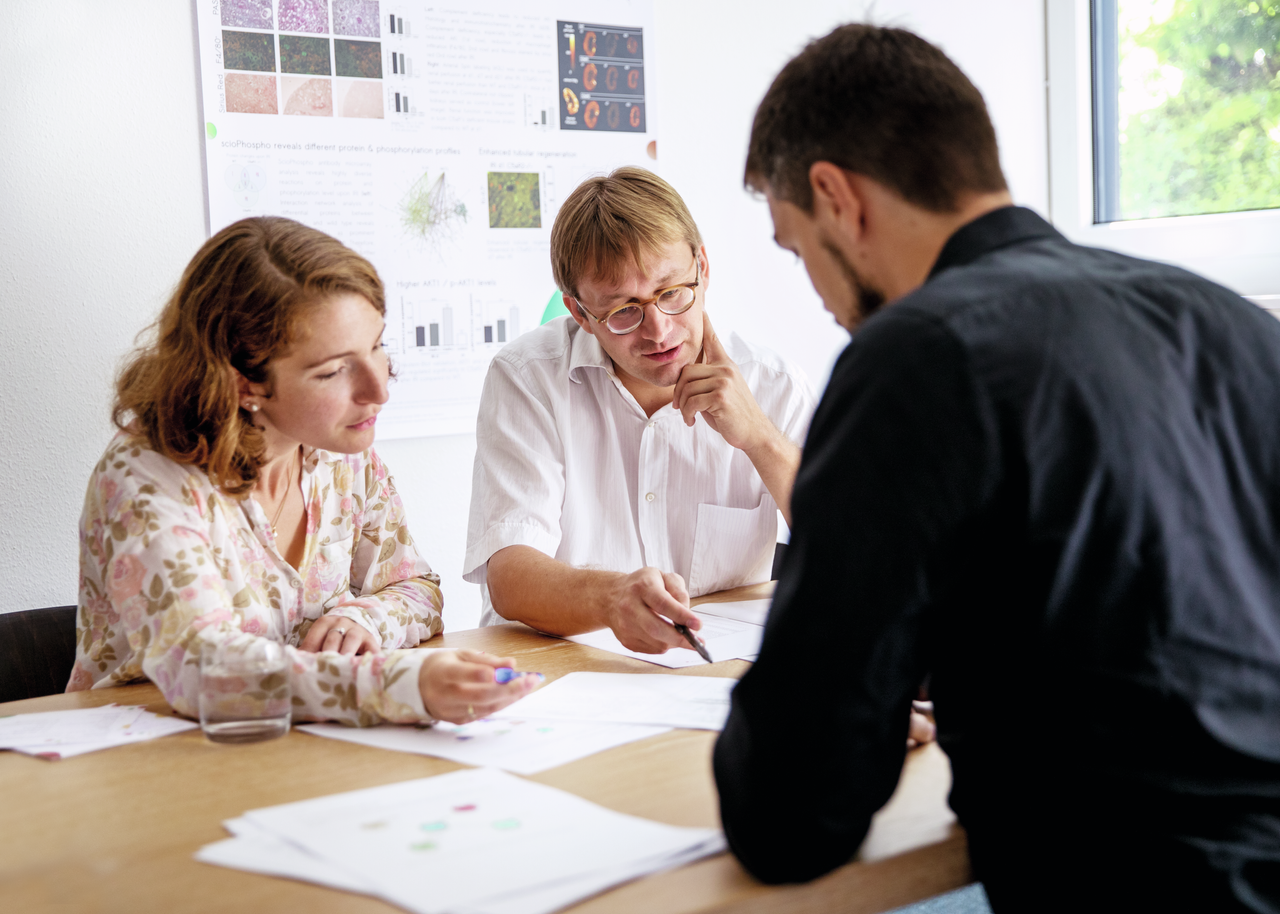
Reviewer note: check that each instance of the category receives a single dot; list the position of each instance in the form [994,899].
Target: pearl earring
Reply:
[253,407]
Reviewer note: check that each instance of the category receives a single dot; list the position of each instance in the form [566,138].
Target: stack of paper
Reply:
[471,842]
[521,745]
[730,631]
[62,734]
[657,699]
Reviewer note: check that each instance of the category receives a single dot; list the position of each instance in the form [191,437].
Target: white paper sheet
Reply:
[726,639]
[660,699]
[272,856]
[470,838]
[259,851]
[562,894]
[62,734]
[520,745]
[752,611]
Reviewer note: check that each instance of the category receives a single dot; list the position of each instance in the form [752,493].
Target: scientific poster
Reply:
[438,142]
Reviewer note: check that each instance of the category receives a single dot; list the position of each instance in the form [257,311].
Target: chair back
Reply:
[37,651]
[779,550]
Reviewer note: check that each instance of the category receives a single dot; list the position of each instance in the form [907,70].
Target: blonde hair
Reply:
[609,223]
[238,305]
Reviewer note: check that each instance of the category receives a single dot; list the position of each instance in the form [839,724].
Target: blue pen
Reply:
[506,674]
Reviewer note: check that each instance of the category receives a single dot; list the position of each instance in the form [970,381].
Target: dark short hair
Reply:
[880,102]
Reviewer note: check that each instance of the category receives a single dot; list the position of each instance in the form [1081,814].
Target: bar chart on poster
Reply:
[439,142]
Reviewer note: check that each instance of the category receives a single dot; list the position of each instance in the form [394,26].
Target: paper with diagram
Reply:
[475,841]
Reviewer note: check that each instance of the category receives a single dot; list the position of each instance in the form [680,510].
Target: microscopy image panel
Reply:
[312,97]
[304,55]
[247,14]
[304,16]
[356,98]
[359,18]
[358,58]
[248,51]
[514,200]
[602,84]
[251,94]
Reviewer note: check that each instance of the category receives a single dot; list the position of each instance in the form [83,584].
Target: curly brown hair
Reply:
[239,305]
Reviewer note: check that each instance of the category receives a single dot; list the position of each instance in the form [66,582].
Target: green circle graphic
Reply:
[211,130]
[555,308]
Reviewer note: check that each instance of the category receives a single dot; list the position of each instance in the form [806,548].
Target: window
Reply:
[1165,132]
[1186,107]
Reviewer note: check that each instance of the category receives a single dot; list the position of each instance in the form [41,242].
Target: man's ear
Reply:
[837,200]
[706,268]
[575,311]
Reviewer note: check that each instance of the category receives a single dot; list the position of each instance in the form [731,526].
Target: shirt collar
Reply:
[585,352]
[989,232]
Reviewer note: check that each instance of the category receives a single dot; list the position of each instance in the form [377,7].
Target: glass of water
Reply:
[244,691]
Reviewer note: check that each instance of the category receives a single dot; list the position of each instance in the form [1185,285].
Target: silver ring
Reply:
[341,631]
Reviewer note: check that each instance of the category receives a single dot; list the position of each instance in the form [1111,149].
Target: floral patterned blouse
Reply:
[169,563]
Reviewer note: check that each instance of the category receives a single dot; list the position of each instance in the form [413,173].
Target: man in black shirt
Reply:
[1044,477]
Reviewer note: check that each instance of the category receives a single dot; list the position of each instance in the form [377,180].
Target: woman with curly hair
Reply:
[242,498]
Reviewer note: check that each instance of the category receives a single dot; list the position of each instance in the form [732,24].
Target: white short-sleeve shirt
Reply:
[567,462]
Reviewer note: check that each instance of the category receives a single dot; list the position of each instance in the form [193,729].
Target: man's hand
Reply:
[922,729]
[638,603]
[459,685]
[715,387]
[338,633]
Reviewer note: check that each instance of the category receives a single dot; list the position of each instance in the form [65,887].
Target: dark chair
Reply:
[37,650]
[779,550]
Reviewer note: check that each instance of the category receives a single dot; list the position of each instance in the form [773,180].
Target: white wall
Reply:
[103,204]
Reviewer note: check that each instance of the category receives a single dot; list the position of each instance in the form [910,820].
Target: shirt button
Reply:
[650,497]
[652,423]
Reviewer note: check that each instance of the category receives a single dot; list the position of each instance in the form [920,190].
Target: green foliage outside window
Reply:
[1199,106]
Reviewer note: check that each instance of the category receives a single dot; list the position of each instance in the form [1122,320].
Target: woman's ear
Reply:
[248,394]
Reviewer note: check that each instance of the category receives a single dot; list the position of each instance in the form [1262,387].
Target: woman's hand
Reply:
[338,633]
[459,685]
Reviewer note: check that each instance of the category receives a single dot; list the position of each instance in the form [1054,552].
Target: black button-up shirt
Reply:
[1049,481]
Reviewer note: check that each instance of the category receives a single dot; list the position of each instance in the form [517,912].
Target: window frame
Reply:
[1241,250]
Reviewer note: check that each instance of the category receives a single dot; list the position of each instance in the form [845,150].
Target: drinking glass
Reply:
[244,692]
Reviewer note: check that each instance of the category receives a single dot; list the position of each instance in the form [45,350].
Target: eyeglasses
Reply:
[673,300]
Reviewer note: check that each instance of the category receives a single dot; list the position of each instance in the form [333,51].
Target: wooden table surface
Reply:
[115,830]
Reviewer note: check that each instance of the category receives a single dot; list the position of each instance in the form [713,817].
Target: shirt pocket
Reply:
[732,546]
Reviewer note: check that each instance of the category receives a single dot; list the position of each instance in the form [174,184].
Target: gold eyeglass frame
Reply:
[693,286]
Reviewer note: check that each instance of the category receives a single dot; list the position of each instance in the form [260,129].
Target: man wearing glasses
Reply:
[629,458]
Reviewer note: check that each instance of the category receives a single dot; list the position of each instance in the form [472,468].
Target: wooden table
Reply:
[115,831]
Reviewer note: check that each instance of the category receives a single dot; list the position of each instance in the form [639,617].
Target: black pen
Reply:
[697,645]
